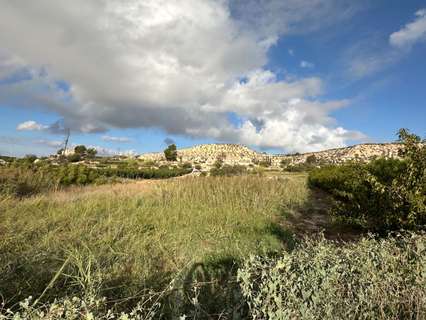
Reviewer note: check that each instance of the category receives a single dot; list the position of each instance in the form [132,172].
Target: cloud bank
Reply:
[182,66]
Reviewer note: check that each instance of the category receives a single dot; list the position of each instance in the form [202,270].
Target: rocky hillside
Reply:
[208,154]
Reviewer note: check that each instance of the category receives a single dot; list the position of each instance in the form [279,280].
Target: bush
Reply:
[228,170]
[171,153]
[300,167]
[384,195]
[187,165]
[75,157]
[26,180]
[370,279]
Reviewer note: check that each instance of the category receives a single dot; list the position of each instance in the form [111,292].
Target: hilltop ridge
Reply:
[239,154]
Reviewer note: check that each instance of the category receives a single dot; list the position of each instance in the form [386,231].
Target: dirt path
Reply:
[315,217]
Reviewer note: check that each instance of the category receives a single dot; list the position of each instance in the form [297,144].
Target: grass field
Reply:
[177,240]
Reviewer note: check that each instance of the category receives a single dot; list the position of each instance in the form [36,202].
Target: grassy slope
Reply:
[120,240]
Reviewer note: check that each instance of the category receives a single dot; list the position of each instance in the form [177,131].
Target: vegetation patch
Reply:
[320,279]
[174,249]
[384,195]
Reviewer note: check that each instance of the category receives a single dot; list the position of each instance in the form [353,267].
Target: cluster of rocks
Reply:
[232,154]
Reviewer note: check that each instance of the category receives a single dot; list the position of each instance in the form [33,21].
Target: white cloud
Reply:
[291,52]
[50,143]
[175,65]
[102,151]
[31,126]
[306,64]
[411,33]
[116,139]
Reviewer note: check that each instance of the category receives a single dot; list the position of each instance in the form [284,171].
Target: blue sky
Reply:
[280,76]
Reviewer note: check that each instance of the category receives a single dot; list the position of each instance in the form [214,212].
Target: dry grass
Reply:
[121,240]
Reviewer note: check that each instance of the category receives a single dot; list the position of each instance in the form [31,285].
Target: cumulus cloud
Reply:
[306,64]
[176,65]
[411,33]
[31,126]
[116,139]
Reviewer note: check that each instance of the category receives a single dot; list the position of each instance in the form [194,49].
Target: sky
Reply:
[128,77]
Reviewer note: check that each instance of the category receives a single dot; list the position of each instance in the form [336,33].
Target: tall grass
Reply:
[175,242]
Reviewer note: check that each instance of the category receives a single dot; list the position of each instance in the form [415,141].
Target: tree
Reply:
[284,163]
[311,160]
[76,157]
[171,153]
[91,152]
[81,150]
[30,158]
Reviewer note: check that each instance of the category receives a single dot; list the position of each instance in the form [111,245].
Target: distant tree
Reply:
[76,157]
[171,153]
[81,150]
[218,163]
[30,158]
[311,160]
[284,163]
[91,152]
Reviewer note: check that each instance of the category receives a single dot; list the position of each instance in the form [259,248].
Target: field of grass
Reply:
[175,242]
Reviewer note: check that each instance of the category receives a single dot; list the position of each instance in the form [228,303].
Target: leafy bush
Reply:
[21,181]
[371,279]
[299,167]
[75,308]
[383,195]
[25,180]
[171,153]
[145,173]
[187,165]
[75,157]
[228,170]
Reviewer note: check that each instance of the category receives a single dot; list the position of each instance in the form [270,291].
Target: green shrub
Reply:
[228,170]
[299,167]
[187,165]
[75,157]
[25,180]
[384,195]
[370,279]
[170,153]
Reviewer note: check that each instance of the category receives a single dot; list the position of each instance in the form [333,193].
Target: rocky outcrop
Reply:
[208,154]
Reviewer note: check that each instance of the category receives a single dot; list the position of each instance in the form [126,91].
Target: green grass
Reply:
[133,241]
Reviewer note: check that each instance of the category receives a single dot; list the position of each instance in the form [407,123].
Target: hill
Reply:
[232,154]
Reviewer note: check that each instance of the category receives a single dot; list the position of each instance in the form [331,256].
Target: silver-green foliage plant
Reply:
[74,309]
[370,279]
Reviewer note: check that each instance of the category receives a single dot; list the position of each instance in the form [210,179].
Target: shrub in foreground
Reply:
[384,195]
[370,279]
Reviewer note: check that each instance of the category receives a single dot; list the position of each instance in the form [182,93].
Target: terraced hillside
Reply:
[238,154]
